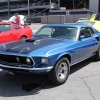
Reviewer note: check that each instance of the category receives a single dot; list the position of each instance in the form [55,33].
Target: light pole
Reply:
[59,4]
[50,4]
[28,8]
[8,9]
[73,4]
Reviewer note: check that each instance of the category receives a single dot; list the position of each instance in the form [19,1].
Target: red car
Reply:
[11,32]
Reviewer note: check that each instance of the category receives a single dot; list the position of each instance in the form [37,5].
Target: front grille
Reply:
[12,60]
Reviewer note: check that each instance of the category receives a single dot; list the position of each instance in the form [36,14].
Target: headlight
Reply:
[44,60]
[28,60]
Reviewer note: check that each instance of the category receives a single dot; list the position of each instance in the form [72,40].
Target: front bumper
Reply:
[23,69]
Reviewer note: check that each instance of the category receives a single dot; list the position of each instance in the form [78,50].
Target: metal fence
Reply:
[55,19]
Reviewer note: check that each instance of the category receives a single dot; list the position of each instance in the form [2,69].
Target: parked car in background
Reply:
[27,21]
[11,32]
[95,24]
[82,19]
[95,17]
[52,50]
[23,20]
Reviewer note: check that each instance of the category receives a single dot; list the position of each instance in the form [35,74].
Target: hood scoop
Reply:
[30,40]
[35,41]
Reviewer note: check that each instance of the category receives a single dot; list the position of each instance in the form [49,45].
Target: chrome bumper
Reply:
[29,69]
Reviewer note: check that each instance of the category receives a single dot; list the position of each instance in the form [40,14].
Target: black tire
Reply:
[59,74]
[97,55]
[16,74]
[23,38]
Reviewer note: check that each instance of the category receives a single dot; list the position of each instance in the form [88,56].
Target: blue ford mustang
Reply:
[53,49]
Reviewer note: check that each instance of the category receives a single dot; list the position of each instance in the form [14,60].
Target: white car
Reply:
[82,19]
[23,20]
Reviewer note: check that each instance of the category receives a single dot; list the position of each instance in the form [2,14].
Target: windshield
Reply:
[57,32]
[86,23]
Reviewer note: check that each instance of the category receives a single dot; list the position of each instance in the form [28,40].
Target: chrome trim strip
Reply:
[82,60]
[47,68]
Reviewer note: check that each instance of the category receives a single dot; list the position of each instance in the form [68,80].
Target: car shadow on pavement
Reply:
[80,65]
[24,84]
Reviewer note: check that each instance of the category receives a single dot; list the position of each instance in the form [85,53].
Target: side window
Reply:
[5,27]
[91,31]
[87,32]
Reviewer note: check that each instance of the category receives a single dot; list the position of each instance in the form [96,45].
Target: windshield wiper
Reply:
[41,36]
[60,38]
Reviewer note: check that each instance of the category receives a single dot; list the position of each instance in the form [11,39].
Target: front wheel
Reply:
[60,72]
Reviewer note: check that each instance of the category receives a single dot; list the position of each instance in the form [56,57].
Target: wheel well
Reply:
[23,36]
[68,57]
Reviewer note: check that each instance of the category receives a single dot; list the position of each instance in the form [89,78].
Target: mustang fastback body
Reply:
[52,50]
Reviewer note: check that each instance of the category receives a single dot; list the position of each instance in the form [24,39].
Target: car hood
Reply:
[35,44]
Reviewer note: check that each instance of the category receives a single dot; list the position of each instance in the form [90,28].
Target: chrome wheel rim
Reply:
[62,71]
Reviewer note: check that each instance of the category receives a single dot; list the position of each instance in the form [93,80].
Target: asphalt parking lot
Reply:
[36,26]
[83,83]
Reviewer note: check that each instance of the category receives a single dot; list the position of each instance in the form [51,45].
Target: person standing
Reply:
[17,19]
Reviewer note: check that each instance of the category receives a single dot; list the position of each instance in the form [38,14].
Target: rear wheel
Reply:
[97,55]
[60,72]
[16,74]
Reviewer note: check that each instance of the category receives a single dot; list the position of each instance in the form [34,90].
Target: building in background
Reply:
[34,9]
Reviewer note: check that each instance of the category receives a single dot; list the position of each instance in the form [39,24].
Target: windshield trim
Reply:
[35,35]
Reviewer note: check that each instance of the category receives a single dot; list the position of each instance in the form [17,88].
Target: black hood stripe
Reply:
[28,46]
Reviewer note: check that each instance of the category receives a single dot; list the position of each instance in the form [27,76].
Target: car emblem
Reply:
[17,59]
